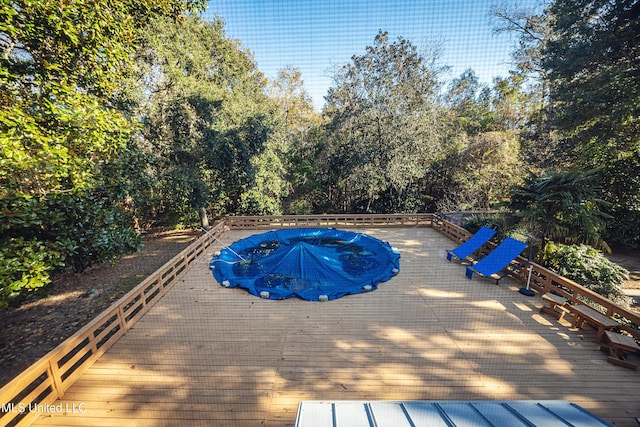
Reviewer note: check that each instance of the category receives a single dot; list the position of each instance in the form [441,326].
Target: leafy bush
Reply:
[42,234]
[25,265]
[562,206]
[588,267]
[90,229]
[503,220]
[300,207]
[623,229]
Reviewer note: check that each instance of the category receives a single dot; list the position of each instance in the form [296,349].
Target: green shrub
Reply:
[300,207]
[588,267]
[39,235]
[25,266]
[503,220]
[623,228]
[89,229]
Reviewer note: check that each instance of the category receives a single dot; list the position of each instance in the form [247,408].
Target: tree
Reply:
[293,103]
[482,157]
[485,169]
[470,103]
[309,175]
[561,206]
[532,28]
[64,129]
[208,122]
[591,60]
[533,33]
[383,127]
[297,120]
[512,105]
[585,57]
[592,64]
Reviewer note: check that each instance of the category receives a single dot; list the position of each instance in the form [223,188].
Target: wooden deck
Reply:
[205,355]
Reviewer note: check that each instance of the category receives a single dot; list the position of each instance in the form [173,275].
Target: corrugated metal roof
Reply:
[446,413]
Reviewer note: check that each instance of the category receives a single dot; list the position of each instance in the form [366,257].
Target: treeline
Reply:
[117,117]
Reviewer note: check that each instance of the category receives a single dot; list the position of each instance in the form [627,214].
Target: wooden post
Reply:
[56,379]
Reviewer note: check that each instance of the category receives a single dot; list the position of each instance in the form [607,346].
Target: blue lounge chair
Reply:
[497,260]
[474,243]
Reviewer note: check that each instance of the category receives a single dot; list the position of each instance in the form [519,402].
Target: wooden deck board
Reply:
[207,355]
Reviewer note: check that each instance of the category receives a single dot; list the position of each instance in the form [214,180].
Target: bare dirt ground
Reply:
[32,330]
[631,261]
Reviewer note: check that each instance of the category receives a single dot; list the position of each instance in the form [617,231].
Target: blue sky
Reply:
[317,35]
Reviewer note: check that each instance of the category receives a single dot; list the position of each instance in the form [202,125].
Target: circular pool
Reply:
[315,264]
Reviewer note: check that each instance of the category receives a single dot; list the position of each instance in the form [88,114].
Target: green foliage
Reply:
[67,163]
[208,122]
[513,107]
[383,128]
[583,59]
[270,186]
[43,234]
[308,173]
[293,104]
[625,227]
[484,168]
[588,267]
[392,143]
[592,66]
[470,103]
[60,69]
[621,187]
[591,60]
[88,228]
[561,207]
[482,147]
[46,146]
[297,127]
[25,266]
[503,220]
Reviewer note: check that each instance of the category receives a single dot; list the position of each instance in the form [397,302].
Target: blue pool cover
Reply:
[314,264]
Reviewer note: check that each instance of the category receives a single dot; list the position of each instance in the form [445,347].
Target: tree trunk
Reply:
[204,219]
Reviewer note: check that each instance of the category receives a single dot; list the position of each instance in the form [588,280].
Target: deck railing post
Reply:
[56,378]
[121,321]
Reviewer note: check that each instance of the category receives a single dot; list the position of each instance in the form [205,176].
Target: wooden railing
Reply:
[544,280]
[47,380]
[345,220]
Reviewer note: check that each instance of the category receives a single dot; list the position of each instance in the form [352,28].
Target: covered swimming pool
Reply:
[314,264]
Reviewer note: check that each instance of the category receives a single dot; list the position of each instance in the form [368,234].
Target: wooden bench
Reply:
[583,313]
[616,345]
[555,305]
